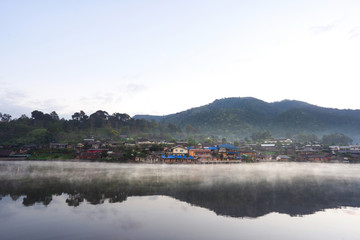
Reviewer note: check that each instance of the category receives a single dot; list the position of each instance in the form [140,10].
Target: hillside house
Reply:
[201,154]
[268,146]
[355,148]
[178,150]
[282,141]
[334,148]
[228,152]
[58,145]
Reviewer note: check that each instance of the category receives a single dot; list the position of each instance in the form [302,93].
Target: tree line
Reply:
[43,128]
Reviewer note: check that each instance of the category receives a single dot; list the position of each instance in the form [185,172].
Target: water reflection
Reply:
[231,190]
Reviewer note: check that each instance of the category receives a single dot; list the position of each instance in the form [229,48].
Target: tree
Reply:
[80,116]
[54,116]
[336,139]
[98,118]
[172,128]
[38,136]
[191,141]
[104,154]
[190,130]
[260,136]
[306,138]
[37,115]
[209,140]
[5,117]
[23,116]
[123,117]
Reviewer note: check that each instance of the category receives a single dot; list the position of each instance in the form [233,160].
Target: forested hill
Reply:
[243,116]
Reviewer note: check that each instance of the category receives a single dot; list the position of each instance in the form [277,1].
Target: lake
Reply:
[77,200]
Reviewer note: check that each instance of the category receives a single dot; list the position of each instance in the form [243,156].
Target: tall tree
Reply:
[5,117]
[54,116]
[80,116]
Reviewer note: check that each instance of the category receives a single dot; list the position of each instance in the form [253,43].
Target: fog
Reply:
[206,174]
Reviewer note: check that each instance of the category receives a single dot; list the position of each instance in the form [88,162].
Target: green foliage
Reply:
[261,136]
[336,139]
[104,154]
[43,128]
[156,148]
[236,118]
[247,158]
[191,141]
[231,118]
[37,136]
[47,154]
[306,138]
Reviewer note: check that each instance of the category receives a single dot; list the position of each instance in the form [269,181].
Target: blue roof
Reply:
[233,152]
[177,157]
[228,146]
[211,148]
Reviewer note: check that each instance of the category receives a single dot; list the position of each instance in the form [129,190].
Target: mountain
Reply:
[234,117]
[149,117]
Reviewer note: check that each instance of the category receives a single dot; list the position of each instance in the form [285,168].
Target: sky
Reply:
[162,57]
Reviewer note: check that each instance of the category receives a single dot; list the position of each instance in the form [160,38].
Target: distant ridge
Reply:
[242,116]
[149,117]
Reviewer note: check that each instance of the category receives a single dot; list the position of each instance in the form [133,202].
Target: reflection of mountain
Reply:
[238,199]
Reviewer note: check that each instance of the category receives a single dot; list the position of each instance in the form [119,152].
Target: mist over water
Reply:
[179,197]
[207,174]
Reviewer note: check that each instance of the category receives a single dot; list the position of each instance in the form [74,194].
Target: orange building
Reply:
[201,154]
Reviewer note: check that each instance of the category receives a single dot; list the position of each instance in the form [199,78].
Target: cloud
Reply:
[14,110]
[17,102]
[118,98]
[354,33]
[135,88]
[110,100]
[10,103]
[320,29]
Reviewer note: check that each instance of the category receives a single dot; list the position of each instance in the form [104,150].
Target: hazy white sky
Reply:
[160,57]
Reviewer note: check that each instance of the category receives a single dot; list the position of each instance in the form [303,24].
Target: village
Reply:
[147,151]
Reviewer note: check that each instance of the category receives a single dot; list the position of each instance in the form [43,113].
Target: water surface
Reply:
[60,200]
